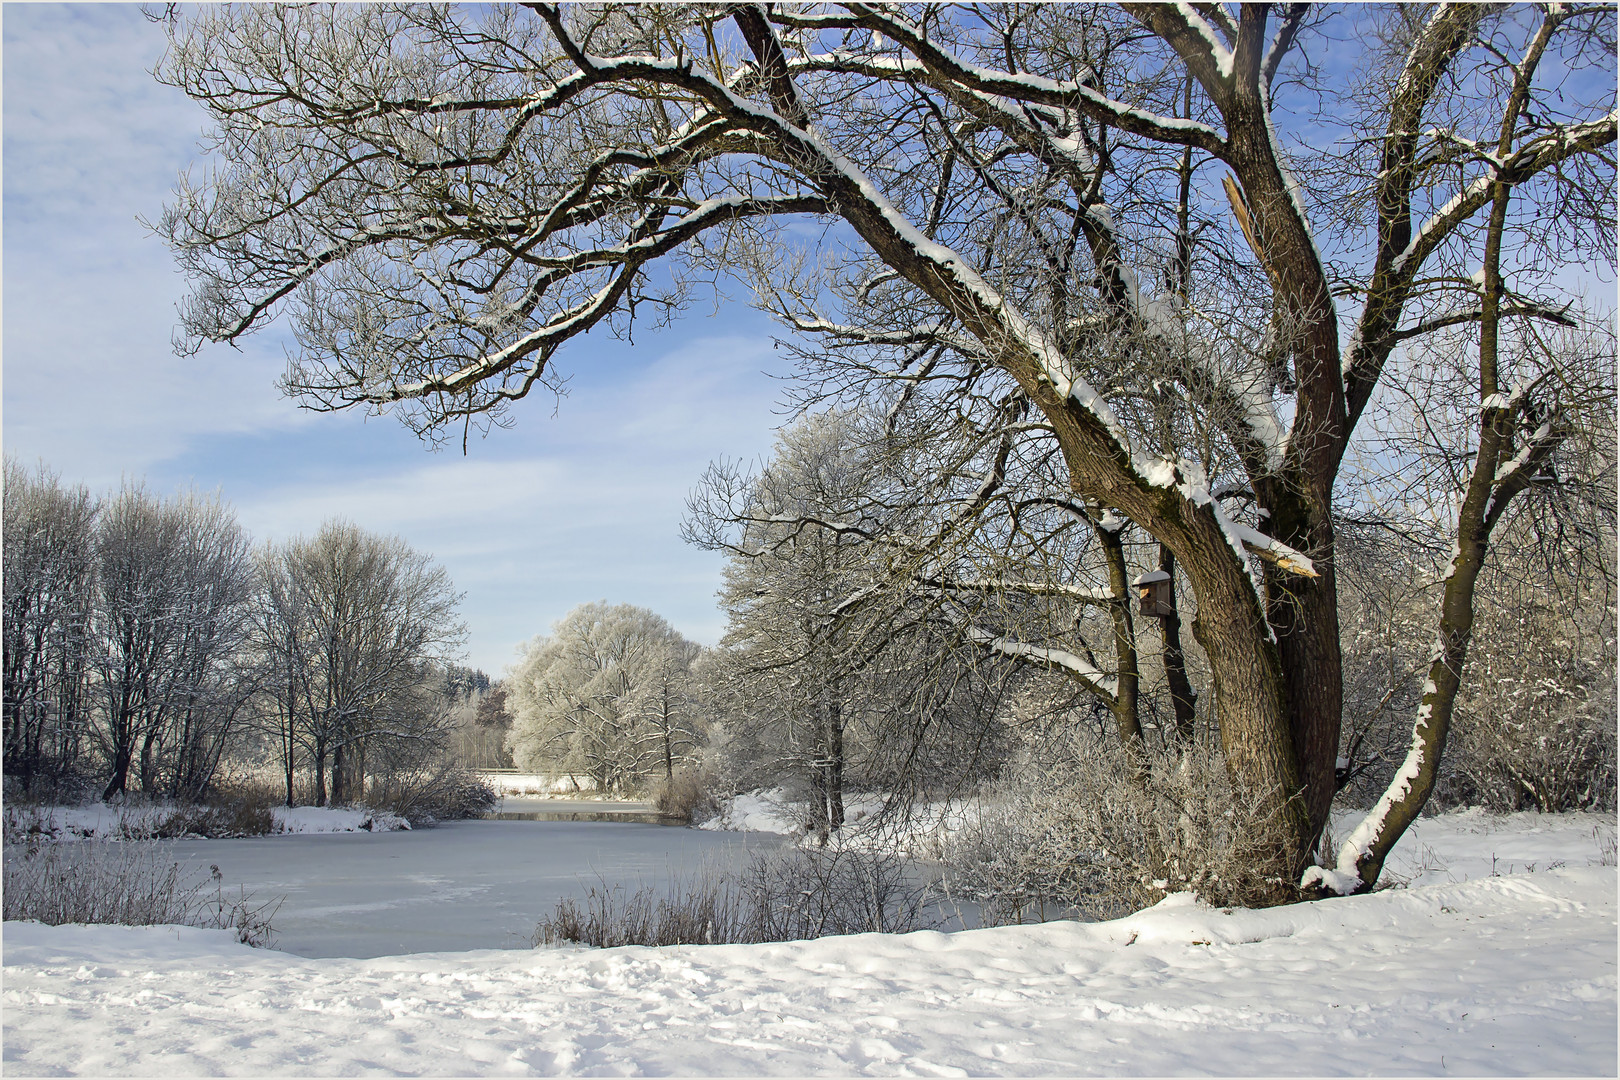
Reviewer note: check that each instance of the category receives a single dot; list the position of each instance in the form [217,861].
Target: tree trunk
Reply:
[340,784]
[149,777]
[1183,699]
[1125,706]
[122,753]
[1304,615]
[287,759]
[835,769]
[1491,486]
[320,775]
[1251,707]
[827,774]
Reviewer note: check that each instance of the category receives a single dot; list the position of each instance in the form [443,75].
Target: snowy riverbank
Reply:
[140,821]
[1511,974]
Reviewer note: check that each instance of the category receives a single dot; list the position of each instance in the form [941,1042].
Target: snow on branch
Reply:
[1344,877]
[1518,472]
[1268,548]
[1292,17]
[933,63]
[934,334]
[1520,461]
[1094,679]
[1243,539]
[1085,594]
[1195,22]
[1536,155]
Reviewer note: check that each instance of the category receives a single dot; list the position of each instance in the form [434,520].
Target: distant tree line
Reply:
[150,647]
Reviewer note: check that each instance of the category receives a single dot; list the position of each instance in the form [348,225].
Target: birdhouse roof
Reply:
[1152,577]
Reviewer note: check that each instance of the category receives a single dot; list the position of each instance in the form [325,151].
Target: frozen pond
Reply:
[460,885]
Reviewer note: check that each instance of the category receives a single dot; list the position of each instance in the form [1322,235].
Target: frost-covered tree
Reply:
[606,695]
[798,555]
[1099,210]
[847,661]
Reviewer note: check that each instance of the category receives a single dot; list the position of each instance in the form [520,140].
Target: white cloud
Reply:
[558,510]
[561,510]
[92,143]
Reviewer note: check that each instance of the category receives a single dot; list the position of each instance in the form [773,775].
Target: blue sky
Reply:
[573,503]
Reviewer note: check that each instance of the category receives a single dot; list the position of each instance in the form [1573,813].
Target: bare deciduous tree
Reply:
[357,628]
[849,656]
[174,580]
[443,197]
[49,569]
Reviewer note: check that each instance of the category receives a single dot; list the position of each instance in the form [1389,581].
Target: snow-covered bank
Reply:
[1505,975]
[102,821]
[325,819]
[773,811]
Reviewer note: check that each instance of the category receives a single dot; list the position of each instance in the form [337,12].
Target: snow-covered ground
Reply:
[325,819]
[771,811]
[1461,972]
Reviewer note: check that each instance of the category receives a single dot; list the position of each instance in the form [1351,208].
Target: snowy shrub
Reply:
[224,817]
[816,892]
[432,791]
[128,884]
[685,795]
[239,809]
[1535,725]
[67,789]
[25,823]
[1082,833]
[792,895]
[704,909]
[1608,845]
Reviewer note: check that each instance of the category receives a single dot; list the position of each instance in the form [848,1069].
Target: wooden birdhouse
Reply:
[1156,592]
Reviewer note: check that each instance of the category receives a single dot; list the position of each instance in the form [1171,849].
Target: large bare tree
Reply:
[1092,208]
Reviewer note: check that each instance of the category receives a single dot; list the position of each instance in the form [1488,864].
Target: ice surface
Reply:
[459,885]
